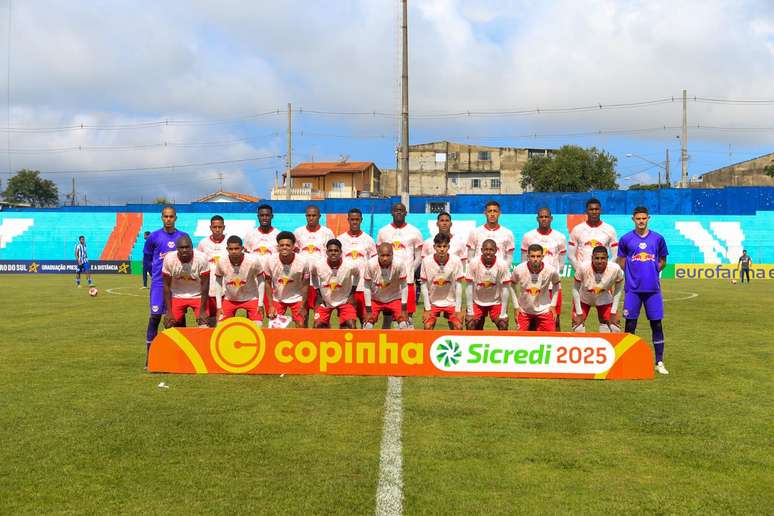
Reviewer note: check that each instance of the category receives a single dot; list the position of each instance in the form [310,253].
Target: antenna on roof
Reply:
[343,159]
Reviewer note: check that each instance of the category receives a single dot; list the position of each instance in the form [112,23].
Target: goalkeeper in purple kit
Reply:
[642,255]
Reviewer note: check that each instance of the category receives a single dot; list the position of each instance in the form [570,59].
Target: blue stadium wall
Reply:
[700,225]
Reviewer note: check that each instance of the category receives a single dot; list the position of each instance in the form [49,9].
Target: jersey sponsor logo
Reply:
[440,282]
[533,291]
[284,280]
[547,251]
[171,245]
[187,277]
[596,290]
[593,243]
[355,254]
[262,250]
[398,245]
[643,245]
[312,249]
[236,283]
[486,284]
[643,257]
[333,285]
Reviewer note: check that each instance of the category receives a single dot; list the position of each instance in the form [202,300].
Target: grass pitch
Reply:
[85,430]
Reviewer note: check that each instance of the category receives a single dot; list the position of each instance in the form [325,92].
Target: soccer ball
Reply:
[93,291]
[733,282]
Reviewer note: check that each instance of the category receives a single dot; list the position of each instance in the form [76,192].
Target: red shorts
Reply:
[604,312]
[251,307]
[448,311]
[180,306]
[558,302]
[360,306]
[311,298]
[212,307]
[544,322]
[411,302]
[297,310]
[393,307]
[493,311]
[322,314]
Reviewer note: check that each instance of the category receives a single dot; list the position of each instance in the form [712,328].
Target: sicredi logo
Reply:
[581,355]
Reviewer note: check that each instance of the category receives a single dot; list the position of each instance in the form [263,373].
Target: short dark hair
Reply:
[591,201]
[185,239]
[443,214]
[216,217]
[600,249]
[234,239]
[147,233]
[81,236]
[286,235]
[264,207]
[544,208]
[535,247]
[489,241]
[640,209]
[355,210]
[314,207]
[441,238]
[491,203]
[333,241]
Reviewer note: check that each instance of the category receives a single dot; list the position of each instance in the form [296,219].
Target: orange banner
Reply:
[237,346]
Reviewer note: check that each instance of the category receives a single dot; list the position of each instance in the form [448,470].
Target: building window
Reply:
[440,157]
[475,183]
[453,156]
[495,183]
[307,186]
[484,156]
[437,207]
[454,181]
[338,186]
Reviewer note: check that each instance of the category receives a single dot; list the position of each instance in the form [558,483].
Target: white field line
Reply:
[113,291]
[690,295]
[389,493]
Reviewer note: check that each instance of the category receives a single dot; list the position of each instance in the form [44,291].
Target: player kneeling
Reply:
[186,276]
[536,290]
[488,289]
[385,289]
[241,283]
[441,276]
[289,276]
[336,283]
[598,284]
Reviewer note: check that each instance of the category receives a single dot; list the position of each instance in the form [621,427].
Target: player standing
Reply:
[157,245]
[744,267]
[386,289]
[598,284]
[589,234]
[536,291]
[457,247]
[357,247]
[214,248]
[642,254]
[240,279]
[492,230]
[336,281]
[186,276]
[488,290]
[554,246]
[442,276]
[263,239]
[81,261]
[311,241]
[289,276]
[406,241]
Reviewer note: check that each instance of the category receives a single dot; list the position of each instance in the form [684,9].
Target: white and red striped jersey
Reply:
[240,281]
[486,281]
[554,246]
[584,238]
[312,243]
[441,279]
[357,250]
[533,290]
[502,236]
[457,247]
[186,277]
[289,282]
[406,243]
[214,251]
[335,284]
[385,283]
[596,288]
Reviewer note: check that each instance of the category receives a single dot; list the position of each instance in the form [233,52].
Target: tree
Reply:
[28,187]
[643,187]
[161,200]
[769,170]
[571,169]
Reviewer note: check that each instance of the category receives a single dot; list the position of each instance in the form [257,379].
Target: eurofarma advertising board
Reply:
[237,346]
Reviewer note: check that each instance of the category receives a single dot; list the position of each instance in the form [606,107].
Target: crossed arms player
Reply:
[214,248]
[357,247]
[598,284]
[186,276]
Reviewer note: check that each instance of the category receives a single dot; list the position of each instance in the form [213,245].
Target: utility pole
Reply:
[220,181]
[666,170]
[289,157]
[404,129]
[684,143]
[72,195]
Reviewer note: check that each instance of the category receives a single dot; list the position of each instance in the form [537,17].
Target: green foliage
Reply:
[27,187]
[769,170]
[161,200]
[643,187]
[571,169]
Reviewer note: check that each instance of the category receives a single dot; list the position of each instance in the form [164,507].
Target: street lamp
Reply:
[661,166]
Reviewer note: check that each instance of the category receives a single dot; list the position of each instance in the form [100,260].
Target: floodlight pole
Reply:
[404,132]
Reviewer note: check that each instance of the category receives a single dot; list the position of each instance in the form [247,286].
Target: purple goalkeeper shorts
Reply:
[157,299]
[654,305]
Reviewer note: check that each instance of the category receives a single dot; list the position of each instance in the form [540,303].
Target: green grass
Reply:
[85,430]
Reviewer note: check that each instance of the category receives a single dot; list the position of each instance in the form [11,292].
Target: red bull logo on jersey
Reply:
[382,283]
[355,254]
[311,249]
[596,290]
[284,280]
[398,245]
[533,291]
[486,284]
[643,257]
[440,282]
[333,285]
[188,277]
[262,250]
[594,243]
[547,251]
[236,283]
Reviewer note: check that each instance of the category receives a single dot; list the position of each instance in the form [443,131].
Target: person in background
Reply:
[744,266]
[146,266]
[81,261]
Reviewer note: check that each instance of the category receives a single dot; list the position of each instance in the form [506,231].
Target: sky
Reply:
[139,100]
